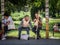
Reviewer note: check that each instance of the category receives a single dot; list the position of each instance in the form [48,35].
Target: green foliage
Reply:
[54,7]
[9,7]
[37,3]
[12,6]
[52,22]
[17,16]
[42,32]
[33,11]
[58,5]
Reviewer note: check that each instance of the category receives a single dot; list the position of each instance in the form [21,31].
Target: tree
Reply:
[58,7]
[15,5]
[54,7]
[2,7]
[37,5]
[47,17]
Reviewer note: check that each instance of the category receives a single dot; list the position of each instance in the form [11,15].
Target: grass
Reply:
[14,33]
[42,33]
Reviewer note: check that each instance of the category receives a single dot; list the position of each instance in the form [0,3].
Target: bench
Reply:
[57,30]
[13,29]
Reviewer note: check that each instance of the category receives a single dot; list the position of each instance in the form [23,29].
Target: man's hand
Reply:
[7,23]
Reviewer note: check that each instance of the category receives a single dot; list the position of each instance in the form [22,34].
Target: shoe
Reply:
[18,38]
[39,37]
[3,38]
[5,35]
[28,38]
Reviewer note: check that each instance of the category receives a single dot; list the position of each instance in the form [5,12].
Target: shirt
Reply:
[38,22]
[55,27]
[6,20]
[25,23]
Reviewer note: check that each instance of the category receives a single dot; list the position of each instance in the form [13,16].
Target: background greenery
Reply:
[33,6]
[19,8]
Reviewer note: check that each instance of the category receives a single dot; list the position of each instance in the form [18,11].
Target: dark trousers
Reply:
[0,25]
[37,32]
[5,29]
[21,28]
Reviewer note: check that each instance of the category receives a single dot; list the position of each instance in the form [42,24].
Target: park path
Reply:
[30,42]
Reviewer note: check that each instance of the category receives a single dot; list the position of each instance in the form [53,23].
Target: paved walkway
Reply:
[30,42]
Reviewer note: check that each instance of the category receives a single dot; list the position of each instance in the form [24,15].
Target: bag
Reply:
[11,27]
[24,36]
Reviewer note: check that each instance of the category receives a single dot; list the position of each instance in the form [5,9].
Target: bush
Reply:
[52,22]
[33,11]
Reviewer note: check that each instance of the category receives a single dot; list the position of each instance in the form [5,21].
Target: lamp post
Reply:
[47,17]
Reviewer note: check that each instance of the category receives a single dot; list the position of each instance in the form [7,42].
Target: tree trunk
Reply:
[47,17]
[2,7]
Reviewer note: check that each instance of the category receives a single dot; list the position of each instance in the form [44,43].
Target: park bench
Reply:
[57,30]
[13,29]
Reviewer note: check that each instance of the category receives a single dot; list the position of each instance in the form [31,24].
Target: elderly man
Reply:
[25,24]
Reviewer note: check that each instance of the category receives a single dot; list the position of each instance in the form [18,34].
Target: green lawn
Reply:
[42,32]
[14,33]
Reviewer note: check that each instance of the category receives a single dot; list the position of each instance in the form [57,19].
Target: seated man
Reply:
[55,27]
[25,23]
[37,25]
[6,21]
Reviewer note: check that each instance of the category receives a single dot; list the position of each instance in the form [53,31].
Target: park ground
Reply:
[31,42]
[52,21]
[19,11]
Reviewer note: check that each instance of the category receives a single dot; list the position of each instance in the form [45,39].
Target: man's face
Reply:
[26,18]
[6,17]
[36,15]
